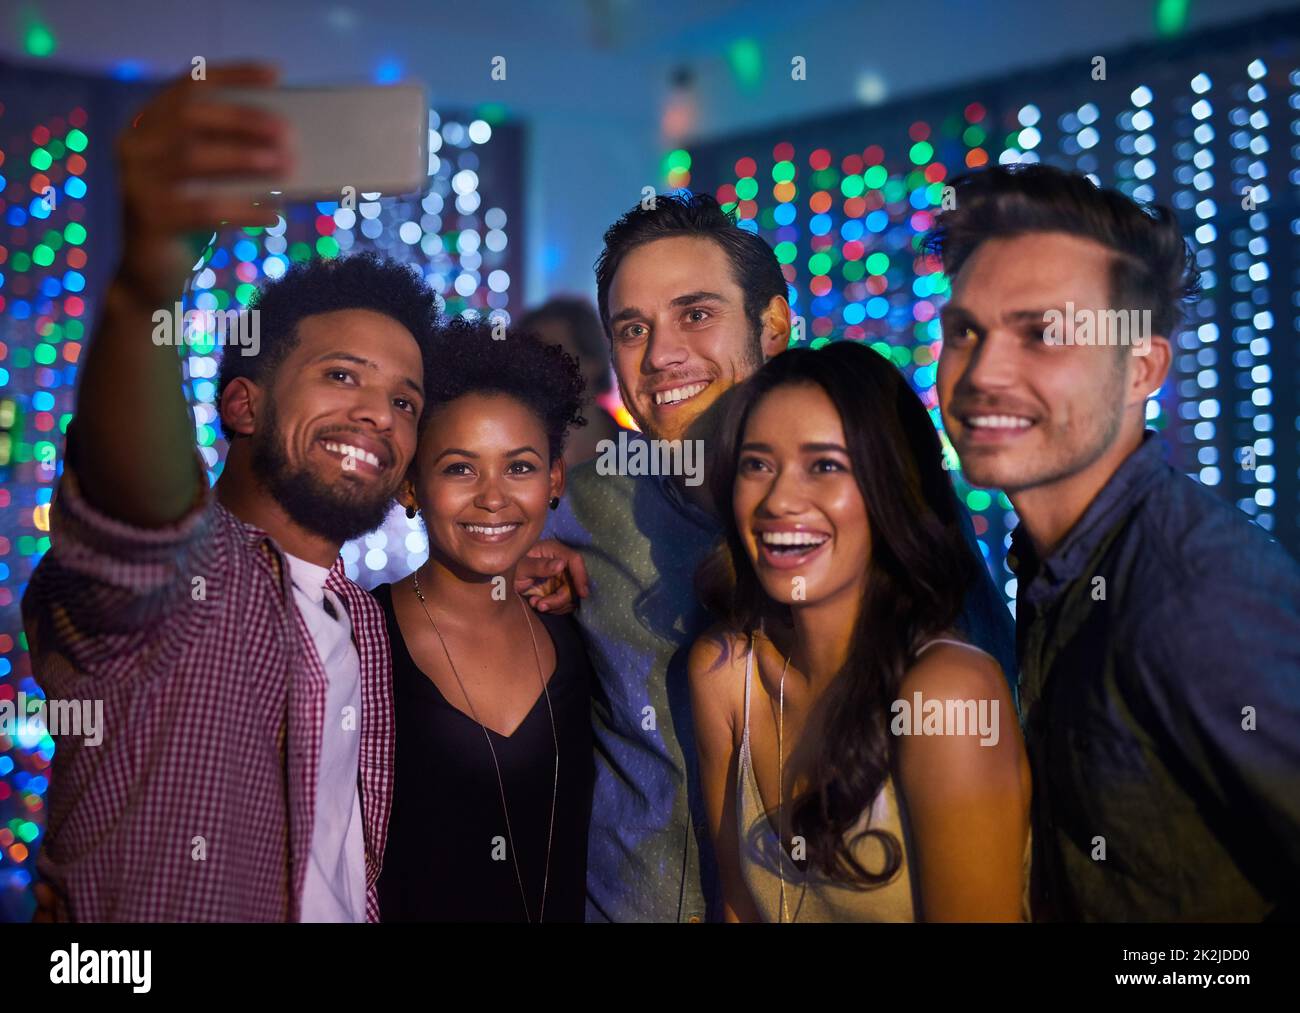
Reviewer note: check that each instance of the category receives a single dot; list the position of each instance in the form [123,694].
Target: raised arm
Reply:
[134,443]
[967,795]
[715,698]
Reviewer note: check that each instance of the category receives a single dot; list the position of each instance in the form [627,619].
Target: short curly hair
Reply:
[480,356]
[364,281]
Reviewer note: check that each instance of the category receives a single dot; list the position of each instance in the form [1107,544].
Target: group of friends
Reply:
[626,697]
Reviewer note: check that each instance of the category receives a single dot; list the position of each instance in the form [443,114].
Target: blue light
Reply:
[75,187]
[16,217]
[388,71]
[128,70]
[819,225]
[854,313]
[784,214]
[43,401]
[878,220]
[851,230]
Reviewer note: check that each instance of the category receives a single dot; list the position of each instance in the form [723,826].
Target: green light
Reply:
[26,545]
[56,148]
[921,153]
[786,252]
[973,136]
[1171,16]
[819,263]
[894,190]
[824,179]
[75,330]
[75,233]
[21,262]
[852,186]
[679,160]
[45,354]
[38,40]
[854,270]
[820,343]
[76,140]
[41,160]
[728,207]
[206,436]
[299,253]
[493,113]
[900,356]
[746,61]
[747,188]
[783,172]
[42,256]
[327,246]
[978,499]
[878,263]
[875,177]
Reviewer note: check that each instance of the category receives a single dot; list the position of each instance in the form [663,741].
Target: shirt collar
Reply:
[673,493]
[257,539]
[1125,488]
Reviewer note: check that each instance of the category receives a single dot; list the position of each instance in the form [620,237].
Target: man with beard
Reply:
[245,771]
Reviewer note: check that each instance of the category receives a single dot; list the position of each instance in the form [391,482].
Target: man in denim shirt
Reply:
[693,306]
[1158,630]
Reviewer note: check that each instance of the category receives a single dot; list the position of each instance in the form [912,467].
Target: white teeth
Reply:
[791,538]
[347,450]
[998,422]
[490,529]
[678,393]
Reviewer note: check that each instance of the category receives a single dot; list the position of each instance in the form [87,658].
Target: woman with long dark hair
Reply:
[860,761]
[494,764]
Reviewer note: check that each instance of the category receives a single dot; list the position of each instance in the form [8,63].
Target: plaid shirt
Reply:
[198,803]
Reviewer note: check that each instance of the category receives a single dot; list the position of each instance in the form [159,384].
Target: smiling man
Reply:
[693,305]
[245,771]
[1158,630]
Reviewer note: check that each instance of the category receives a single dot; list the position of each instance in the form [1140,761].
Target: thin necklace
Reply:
[555,790]
[783,914]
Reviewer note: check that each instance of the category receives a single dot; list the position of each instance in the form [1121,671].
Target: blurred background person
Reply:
[571,322]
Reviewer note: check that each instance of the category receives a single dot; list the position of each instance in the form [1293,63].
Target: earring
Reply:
[410,512]
[555,502]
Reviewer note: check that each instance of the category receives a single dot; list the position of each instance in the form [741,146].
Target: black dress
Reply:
[447,857]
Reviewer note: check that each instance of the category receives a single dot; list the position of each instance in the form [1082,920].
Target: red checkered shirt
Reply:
[197,805]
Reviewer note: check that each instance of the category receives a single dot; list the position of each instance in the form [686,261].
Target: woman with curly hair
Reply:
[494,764]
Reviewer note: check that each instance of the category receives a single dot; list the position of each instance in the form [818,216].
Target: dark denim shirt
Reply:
[1160,694]
[649,857]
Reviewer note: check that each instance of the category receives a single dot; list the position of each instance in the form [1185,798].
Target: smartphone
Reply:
[372,139]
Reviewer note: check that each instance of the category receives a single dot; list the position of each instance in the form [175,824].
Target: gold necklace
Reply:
[555,790]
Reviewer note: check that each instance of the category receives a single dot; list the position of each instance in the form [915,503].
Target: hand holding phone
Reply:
[179,139]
